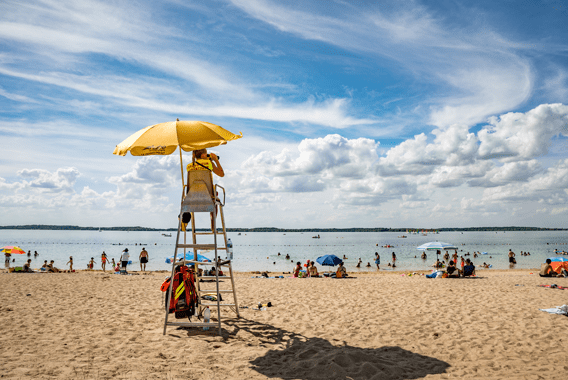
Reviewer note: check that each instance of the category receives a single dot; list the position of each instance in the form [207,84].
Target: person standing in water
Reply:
[377,259]
[143,259]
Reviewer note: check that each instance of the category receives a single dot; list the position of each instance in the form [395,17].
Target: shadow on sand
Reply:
[300,357]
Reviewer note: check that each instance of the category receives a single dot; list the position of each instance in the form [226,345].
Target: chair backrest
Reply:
[200,196]
[196,179]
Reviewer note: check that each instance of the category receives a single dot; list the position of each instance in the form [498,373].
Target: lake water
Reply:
[258,251]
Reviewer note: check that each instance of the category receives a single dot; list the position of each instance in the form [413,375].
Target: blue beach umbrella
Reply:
[188,256]
[330,260]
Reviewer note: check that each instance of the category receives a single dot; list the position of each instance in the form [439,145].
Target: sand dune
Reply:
[90,325]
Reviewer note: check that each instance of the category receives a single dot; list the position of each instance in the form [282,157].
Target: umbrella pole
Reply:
[181,167]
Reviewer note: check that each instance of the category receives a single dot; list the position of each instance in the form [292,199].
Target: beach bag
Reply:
[183,299]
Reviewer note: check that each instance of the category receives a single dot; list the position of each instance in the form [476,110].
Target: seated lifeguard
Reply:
[204,161]
[200,190]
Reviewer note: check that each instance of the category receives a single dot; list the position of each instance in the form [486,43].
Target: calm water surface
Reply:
[259,250]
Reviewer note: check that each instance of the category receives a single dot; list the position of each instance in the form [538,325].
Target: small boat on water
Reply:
[316,237]
[167,235]
[403,236]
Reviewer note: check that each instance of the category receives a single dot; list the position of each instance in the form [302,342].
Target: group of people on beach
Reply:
[50,267]
[312,271]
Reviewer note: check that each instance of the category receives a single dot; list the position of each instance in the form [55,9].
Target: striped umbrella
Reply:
[11,249]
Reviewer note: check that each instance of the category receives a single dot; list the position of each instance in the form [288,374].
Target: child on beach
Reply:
[91,264]
[104,260]
[297,269]
[70,263]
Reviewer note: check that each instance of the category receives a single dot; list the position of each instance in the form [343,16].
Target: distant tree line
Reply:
[275,229]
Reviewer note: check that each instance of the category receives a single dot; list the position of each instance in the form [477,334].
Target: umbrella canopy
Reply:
[164,138]
[11,249]
[558,263]
[330,260]
[188,256]
[437,246]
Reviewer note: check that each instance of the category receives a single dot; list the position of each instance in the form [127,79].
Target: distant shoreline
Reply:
[274,229]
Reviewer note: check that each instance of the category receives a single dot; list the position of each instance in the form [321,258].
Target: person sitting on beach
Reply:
[452,271]
[341,271]
[44,266]
[368,264]
[28,266]
[312,270]
[297,269]
[546,270]
[468,269]
[51,268]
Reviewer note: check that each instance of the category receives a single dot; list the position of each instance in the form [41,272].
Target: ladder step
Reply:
[212,291]
[215,304]
[220,277]
[196,246]
[195,262]
[193,324]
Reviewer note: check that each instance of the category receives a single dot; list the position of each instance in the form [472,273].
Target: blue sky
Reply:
[354,113]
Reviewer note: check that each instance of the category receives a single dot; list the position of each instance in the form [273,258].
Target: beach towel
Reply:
[562,310]
[553,286]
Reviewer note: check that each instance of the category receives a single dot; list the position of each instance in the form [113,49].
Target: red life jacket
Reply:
[183,299]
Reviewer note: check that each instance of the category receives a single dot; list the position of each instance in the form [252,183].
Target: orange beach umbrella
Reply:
[11,249]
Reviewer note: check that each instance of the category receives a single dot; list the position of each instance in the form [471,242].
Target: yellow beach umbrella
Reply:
[164,138]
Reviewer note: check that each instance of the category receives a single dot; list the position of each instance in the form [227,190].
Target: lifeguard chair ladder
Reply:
[201,197]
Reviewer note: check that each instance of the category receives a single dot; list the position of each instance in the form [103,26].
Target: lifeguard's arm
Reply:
[217,168]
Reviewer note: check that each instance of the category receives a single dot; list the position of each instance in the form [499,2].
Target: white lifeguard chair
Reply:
[200,195]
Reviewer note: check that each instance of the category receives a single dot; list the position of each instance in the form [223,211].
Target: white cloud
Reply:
[523,136]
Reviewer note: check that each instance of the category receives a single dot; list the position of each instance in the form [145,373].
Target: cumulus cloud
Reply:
[523,136]
[62,179]
[331,156]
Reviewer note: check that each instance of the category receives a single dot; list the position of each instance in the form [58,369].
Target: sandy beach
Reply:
[94,325]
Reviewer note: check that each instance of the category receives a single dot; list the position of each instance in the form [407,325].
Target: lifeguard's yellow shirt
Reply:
[201,164]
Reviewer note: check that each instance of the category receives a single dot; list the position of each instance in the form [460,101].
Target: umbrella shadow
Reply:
[317,358]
